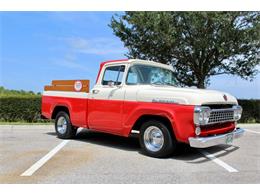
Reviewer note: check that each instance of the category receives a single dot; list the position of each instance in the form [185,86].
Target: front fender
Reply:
[180,116]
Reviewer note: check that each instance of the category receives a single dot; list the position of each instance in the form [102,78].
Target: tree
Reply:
[197,44]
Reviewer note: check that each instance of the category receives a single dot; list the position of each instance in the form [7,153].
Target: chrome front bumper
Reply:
[204,142]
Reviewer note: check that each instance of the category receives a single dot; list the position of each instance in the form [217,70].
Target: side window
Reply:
[113,75]
[132,77]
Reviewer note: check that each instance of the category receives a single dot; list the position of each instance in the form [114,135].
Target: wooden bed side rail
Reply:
[68,85]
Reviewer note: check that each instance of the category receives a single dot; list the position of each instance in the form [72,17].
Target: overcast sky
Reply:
[37,47]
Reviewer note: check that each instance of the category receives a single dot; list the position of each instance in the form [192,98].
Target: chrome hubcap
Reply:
[62,125]
[153,138]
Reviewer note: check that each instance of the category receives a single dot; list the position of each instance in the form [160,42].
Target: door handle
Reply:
[95,91]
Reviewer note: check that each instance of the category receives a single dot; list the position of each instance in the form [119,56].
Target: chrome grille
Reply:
[217,116]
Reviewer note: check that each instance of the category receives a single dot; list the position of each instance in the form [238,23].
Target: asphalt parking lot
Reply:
[33,154]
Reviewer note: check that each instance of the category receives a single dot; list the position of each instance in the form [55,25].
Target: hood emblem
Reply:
[225,97]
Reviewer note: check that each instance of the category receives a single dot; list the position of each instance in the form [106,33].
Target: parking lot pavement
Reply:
[33,154]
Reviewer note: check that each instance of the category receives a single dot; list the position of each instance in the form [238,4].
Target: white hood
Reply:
[186,96]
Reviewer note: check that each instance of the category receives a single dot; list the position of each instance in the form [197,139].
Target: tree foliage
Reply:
[11,92]
[197,44]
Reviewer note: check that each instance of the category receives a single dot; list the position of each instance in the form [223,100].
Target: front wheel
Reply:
[63,126]
[156,140]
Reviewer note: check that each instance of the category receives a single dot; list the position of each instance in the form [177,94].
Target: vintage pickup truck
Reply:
[140,97]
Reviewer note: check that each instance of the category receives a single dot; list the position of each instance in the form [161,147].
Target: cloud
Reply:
[70,49]
[68,63]
[98,46]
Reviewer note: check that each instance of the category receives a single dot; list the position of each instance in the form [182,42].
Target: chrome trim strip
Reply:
[135,131]
[223,109]
[204,142]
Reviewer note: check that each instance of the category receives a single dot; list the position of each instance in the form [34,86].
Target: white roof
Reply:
[138,61]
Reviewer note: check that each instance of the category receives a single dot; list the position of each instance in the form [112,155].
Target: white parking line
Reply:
[47,157]
[252,131]
[217,161]
[44,159]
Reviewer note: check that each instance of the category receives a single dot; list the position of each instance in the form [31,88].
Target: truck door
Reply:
[106,101]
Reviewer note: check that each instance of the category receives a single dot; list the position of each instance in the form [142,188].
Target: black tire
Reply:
[169,144]
[69,131]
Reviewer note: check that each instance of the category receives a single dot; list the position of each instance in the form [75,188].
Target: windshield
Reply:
[145,74]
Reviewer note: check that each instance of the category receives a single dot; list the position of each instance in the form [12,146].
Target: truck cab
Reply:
[142,97]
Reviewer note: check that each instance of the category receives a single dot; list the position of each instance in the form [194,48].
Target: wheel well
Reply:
[57,109]
[144,118]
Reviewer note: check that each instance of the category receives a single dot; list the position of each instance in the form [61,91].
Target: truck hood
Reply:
[188,96]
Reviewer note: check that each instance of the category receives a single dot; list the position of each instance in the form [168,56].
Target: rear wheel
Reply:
[63,126]
[156,140]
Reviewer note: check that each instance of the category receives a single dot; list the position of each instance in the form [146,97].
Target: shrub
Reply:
[20,108]
[251,111]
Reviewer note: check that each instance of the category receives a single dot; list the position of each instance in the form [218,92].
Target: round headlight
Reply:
[201,115]
[237,112]
[206,116]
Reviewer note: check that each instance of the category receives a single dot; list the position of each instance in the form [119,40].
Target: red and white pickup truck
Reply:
[140,97]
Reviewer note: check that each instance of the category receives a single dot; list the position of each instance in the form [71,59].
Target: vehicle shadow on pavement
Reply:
[113,141]
[184,152]
[105,139]
[192,155]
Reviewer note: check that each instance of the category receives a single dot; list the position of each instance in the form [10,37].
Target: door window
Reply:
[113,75]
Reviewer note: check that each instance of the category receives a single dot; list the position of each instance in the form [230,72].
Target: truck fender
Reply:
[54,106]
[137,114]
